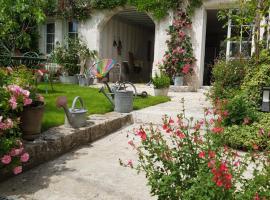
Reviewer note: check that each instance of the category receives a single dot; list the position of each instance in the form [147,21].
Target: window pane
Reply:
[235,33]
[50,38]
[73,27]
[49,48]
[50,28]
[234,49]
[246,49]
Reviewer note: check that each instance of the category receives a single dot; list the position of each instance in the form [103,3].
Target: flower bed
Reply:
[184,160]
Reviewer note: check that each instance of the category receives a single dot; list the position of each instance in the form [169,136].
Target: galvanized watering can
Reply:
[75,117]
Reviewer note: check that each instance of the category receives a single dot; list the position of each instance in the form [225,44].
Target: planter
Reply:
[69,79]
[85,81]
[178,81]
[31,120]
[161,91]
[123,101]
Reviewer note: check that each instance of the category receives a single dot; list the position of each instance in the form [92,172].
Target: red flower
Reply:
[142,134]
[180,134]
[256,197]
[217,130]
[225,113]
[186,68]
[171,121]
[202,155]
[165,127]
[212,154]
[131,143]
[197,126]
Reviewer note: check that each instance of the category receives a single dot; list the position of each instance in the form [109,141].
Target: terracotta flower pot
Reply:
[31,120]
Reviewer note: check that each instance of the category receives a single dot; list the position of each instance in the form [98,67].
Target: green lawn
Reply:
[95,102]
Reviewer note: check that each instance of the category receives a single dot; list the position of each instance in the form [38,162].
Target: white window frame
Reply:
[230,41]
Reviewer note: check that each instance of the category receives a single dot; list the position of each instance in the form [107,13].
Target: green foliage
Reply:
[162,81]
[248,137]
[184,162]
[18,22]
[69,55]
[179,59]
[240,109]
[82,9]
[228,77]
[256,79]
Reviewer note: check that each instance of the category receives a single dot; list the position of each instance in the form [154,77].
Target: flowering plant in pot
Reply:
[20,94]
[179,60]
[161,84]
[182,160]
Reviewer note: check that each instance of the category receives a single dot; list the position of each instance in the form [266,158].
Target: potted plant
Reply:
[68,58]
[20,94]
[161,84]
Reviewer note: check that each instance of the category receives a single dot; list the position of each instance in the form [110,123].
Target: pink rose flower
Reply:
[25,93]
[17,170]
[15,89]
[6,159]
[13,103]
[24,157]
[9,123]
[16,152]
[27,101]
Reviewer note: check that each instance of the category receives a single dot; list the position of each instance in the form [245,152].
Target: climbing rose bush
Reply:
[179,59]
[182,161]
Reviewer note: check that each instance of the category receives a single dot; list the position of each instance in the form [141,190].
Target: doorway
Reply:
[215,45]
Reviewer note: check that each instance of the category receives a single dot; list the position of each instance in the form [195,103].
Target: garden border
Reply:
[60,140]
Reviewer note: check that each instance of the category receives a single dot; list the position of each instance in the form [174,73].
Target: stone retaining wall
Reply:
[60,140]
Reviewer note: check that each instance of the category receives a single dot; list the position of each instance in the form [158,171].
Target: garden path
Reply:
[93,171]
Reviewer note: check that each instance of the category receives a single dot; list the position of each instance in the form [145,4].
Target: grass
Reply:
[95,102]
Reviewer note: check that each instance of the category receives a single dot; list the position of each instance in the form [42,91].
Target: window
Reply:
[239,40]
[73,29]
[50,37]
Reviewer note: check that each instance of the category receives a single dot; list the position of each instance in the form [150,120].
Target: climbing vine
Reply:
[82,9]
[178,59]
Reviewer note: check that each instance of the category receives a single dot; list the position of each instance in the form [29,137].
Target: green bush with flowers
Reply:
[179,59]
[184,160]
[16,91]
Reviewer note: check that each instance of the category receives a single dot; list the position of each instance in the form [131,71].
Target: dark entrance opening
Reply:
[215,45]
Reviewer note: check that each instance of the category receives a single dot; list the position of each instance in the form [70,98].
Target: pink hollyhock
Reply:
[171,121]
[165,127]
[212,154]
[24,157]
[6,159]
[27,101]
[202,154]
[225,113]
[13,103]
[17,170]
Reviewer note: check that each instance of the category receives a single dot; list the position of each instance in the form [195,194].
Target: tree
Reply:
[18,22]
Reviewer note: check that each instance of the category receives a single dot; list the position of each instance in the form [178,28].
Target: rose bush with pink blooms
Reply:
[183,160]
[179,59]
[16,91]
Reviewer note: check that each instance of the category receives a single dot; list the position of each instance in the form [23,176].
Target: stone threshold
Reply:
[60,140]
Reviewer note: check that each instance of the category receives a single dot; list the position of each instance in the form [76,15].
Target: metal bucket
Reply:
[178,81]
[123,101]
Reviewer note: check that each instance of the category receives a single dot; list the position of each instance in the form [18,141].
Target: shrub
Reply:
[248,137]
[240,110]
[182,162]
[228,77]
[255,81]
[162,81]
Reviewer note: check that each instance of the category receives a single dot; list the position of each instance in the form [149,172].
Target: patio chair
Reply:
[102,68]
